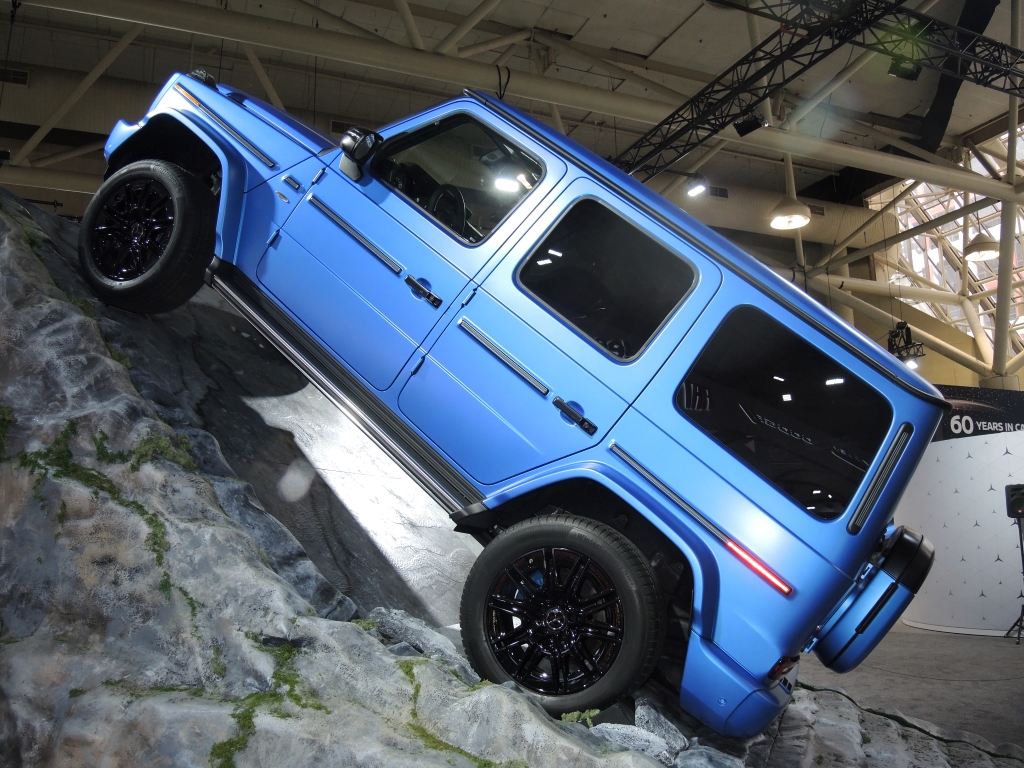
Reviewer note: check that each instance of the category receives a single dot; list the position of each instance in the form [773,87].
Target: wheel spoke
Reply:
[550,572]
[511,639]
[533,657]
[601,632]
[599,602]
[574,581]
[559,673]
[505,605]
[583,656]
[521,581]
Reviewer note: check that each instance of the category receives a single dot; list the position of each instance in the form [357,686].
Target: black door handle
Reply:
[575,416]
[423,292]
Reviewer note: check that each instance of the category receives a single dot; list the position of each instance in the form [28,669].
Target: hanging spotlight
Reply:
[982,248]
[903,346]
[750,123]
[904,69]
[696,185]
[790,214]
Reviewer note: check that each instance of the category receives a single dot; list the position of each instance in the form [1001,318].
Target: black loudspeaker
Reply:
[1015,501]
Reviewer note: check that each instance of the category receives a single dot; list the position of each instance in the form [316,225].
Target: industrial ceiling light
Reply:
[902,345]
[982,248]
[696,185]
[790,214]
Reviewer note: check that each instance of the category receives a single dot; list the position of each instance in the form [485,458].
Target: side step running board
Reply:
[339,395]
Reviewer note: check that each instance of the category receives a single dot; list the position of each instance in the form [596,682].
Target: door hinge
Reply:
[469,298]
[273,237]
[419,364]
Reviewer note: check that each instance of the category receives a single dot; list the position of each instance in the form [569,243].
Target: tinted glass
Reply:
[460,172]
[785,409]
[611,281]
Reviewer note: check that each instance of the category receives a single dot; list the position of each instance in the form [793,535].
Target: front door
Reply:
[561,336]
[359,276]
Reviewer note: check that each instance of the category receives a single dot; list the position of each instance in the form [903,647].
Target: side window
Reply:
[786,410]
[615,284]
[466,176]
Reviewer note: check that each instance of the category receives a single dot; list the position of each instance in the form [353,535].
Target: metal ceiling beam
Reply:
[765,71]
[49,178]
[465,26]
[76,94]
[264,78]
[914,37]
[839,154]
[383,55]
[380,54]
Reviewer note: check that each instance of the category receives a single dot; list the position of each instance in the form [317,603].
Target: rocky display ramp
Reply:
[153,613]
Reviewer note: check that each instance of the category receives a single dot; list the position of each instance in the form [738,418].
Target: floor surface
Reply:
[958,682]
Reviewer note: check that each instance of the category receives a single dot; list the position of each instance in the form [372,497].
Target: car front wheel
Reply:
[147,237]
[567,608]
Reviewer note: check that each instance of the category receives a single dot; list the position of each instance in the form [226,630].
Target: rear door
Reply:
[353,262]
[566,330]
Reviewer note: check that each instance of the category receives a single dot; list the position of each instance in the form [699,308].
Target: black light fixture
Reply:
[750,123]
[904,69]
[902,345]
[695,185]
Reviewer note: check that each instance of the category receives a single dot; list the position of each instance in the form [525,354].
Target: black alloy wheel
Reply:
[566,607]
[147,237]
[554,621]
[132,229]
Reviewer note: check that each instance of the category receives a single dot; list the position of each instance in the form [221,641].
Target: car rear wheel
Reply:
[567,608]
[147,237]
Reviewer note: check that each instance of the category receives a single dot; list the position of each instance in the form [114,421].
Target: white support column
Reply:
[798,241]
[475,17]
[1008,222]
[261,73]
[76,94]
[411,30]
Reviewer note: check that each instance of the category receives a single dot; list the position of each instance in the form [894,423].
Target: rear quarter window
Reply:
[788,411]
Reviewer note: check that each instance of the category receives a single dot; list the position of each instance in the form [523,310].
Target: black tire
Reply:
[147,237]
[563,651]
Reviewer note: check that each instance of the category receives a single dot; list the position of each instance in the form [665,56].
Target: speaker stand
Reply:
[1018,625]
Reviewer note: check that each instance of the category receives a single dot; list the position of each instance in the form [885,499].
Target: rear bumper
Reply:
[878,601]
[719,693]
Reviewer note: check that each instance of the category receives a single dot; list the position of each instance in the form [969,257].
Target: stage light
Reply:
[903,347]
[790,214]
[749,124]
[904,69]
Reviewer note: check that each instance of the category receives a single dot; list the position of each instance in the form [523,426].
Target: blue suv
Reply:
[678,463]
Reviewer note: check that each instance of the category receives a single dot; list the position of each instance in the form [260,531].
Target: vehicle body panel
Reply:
[459,366]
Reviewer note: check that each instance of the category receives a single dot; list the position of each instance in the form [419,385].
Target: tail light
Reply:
[760,569]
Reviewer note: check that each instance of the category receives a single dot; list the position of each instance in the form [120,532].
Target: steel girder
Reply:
[809,31]
[919,39]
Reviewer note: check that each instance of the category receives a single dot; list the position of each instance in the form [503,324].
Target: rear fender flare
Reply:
[686,537]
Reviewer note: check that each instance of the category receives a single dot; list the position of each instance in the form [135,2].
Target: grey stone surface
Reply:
[399,625]
[109,657]
[647,717]
[369,529]
[118,651]
[631,737]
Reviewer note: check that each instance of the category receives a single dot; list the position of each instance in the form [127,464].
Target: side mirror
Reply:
[356,147]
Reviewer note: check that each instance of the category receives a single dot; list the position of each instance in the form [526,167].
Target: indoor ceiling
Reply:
[679,45]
